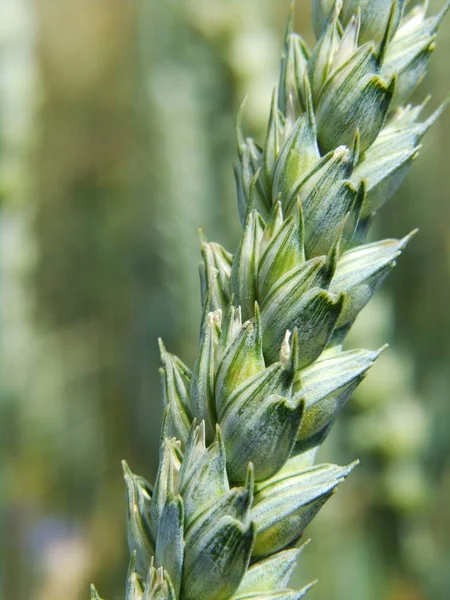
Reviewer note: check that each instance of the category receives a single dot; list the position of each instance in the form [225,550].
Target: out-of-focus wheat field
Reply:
[116,144]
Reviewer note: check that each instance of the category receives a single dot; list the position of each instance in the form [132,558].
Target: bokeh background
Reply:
[116,144]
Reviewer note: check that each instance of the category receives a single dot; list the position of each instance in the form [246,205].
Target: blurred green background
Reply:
[116,144]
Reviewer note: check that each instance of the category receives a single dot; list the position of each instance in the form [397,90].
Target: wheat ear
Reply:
[237,483]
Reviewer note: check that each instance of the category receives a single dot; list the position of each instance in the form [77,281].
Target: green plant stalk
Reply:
[237,483]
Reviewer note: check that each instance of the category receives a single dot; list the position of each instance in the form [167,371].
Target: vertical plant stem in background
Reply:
[88,225]
[237,483]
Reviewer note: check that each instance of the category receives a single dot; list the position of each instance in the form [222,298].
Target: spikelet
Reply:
[237,484]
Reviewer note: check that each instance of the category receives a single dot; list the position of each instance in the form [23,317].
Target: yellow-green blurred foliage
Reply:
[116,144]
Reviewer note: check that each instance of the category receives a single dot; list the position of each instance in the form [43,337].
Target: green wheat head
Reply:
[237,483]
